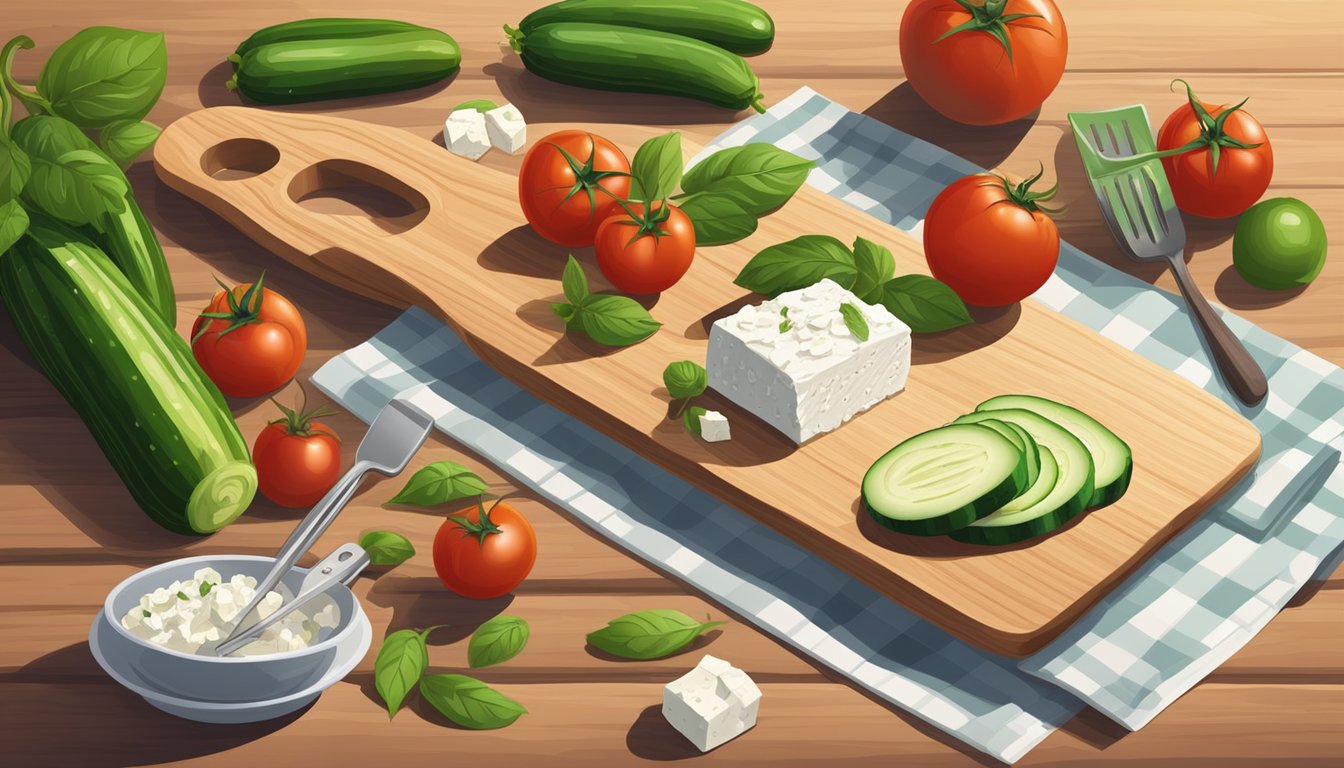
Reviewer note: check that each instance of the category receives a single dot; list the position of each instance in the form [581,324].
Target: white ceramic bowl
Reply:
[231,678]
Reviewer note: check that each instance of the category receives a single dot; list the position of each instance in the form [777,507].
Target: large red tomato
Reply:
[983,63]
[249,340]
[298,458]
[570,183]
[485,551]
[991,241]
[1229,163]
[645,254]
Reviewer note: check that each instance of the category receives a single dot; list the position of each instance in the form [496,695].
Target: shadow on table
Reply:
[984,145]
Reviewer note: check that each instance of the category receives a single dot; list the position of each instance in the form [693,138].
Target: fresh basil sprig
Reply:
[71,179]
[758,177]
[610,320]
[646,635]
[497,640]
[925,304]
[875,266]
[718,219]
[386,547]
[655,170]
[441,482]
[400,664]
[469,702]
[798,263]
[105,74]
[125,140]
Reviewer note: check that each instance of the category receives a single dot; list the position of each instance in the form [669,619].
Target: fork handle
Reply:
[1239,369]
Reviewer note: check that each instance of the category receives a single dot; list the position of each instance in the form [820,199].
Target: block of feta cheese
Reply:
[794,363]
[465,134]
[506,128]
[714,427]
[712,703]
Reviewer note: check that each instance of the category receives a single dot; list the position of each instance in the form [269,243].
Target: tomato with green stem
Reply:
[645,250]
[298,458]
[569,183]
[485,552]
[1217,158]
[250,340]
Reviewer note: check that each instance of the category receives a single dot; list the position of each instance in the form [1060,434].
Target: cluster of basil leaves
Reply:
[100,83]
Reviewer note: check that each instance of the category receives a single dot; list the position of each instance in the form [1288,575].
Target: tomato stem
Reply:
[242,311]
[484,526]
[300,422]
[586,178]
[988,17]
[1023,196]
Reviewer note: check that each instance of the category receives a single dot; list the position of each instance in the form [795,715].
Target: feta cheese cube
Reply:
[506,128]
[793,361]
[711,704]
[465,135]
[714,427]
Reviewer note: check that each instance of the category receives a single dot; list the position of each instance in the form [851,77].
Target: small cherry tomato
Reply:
[485,551]
[645,253]
[249,340]
[298,458]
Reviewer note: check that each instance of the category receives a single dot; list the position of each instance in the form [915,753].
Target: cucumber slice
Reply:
[1111,458]
[944,479]
[1019,438]
[1022,518]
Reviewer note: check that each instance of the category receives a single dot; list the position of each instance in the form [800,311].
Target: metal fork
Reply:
[1137,204]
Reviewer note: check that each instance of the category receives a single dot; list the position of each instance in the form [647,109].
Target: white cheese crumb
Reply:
[506,128]
[711,704]
[714,427]
[465,134]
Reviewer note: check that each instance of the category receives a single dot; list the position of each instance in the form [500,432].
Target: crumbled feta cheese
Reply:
[714,427]
[465,134]
[199,613]
[711,704]
[506,128]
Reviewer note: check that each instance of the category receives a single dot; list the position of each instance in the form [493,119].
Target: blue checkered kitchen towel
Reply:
[1197,601]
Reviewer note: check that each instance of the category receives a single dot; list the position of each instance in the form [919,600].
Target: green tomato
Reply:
[1279,244]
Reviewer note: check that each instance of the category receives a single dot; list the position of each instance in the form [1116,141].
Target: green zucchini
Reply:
[321,29]
[312,70]
[161,424]
[732,25]
[611,58]
[129,241]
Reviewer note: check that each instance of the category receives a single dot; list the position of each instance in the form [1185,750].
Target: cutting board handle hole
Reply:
[351,188]
[239,159]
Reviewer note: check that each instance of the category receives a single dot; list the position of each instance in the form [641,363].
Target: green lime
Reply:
[1279,244]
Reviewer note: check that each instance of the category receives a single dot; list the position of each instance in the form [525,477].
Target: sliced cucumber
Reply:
[1018,437]
[1022,518]
[1111,458]
[944,479]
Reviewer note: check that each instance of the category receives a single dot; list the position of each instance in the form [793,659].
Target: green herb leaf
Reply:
[798,263]
[574,282]
[655,170]
[386,547]
[684,379]
[124,140]
[440,483]
[758,177]
[205,588]
[400,663]
[13,223]
[182,595]
[718,219]
[925,304]
[497,641]
[616,321]
[645,635]
[147,613]
[875,266]
[854,320]
[71,179]
[690,419]
[469,702]
[480,105]
[105,74]
[15,167]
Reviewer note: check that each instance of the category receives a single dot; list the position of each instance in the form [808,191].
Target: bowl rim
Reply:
[110,616]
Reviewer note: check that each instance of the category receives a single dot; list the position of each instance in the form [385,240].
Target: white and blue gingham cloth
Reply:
[1197,601]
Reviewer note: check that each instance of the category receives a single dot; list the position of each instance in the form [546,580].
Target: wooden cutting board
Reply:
[447,235]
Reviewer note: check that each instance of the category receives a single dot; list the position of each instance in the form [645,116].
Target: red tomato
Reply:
[1244,160]
[298,459]
[972,75]
[485,555]
[640,255]
[249,342]
[990,241]
[569,183]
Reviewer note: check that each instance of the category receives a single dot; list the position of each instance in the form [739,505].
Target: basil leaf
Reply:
[690,419]
[105,74]
[13,223]
[573,282]
[925,304]
[758,177]
[718,219]
[497,641]
[616,321]
[875,266]
[400,663]
[645,635]
[655,170]
[15,168]
[469,702]
[182,595]
[854,320]
[386,547]
[798,263]
[480,105]
[71,180]
[124,140]
[205,588]
[684,379]
[440,483]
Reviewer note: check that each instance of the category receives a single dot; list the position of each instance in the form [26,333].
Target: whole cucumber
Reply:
[612,58]
[321,29]
[312,70]
[733,25]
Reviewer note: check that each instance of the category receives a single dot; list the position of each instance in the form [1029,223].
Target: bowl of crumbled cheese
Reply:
[163,623]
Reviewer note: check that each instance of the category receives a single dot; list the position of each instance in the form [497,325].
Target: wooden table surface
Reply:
[72,531]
